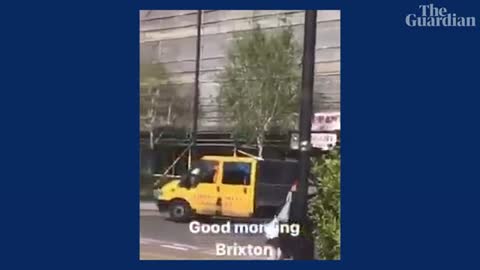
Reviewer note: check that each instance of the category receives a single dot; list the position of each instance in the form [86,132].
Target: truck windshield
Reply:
[203,166]
[202,171]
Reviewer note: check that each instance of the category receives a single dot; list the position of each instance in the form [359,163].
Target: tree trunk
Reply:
[151,140]
[169,114]
[260,146]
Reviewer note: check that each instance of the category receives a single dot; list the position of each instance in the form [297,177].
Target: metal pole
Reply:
[300,202]
[196,96]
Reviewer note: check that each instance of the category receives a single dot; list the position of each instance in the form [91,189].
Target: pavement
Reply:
[162,239]
[148,206]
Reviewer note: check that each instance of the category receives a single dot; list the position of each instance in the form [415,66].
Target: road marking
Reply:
[174,247]
[185,246]
[148,241]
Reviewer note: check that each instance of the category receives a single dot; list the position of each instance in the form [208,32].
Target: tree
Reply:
[260,84]
[325,207]
[160,104]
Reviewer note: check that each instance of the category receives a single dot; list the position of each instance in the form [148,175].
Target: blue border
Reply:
[70,111]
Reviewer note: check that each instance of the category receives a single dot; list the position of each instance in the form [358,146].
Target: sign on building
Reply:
[324,128]
[326,121]
[324,141]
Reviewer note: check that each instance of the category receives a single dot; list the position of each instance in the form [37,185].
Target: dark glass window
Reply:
[205,170]
[236,173]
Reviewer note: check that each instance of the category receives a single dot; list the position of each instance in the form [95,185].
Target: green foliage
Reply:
[325,208]
[260,83]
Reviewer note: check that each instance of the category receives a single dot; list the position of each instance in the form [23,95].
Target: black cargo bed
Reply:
[274,179]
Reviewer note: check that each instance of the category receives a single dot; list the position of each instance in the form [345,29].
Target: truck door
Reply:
[204,194]
[236,189]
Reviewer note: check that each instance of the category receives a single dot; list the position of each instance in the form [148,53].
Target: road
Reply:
[162,239]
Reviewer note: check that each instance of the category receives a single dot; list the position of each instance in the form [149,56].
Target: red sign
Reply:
[326,121]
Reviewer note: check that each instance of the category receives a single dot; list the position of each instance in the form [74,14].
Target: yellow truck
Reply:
[227,186]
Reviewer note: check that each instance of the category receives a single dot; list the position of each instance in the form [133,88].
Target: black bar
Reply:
[197,87]
[299,213]
[306,113]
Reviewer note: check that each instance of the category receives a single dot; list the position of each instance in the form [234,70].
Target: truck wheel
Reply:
[180,211]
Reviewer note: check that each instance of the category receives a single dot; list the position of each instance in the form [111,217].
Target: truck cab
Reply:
[227,186]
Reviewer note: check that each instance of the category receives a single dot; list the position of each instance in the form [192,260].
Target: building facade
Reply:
[169,37]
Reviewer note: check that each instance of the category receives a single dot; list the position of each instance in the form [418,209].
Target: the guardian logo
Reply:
[431,16]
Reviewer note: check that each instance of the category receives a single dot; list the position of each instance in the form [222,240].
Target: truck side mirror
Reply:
[195,184]
[185,181]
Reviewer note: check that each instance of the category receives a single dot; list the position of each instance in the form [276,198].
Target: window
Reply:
[208,176]
[236,173]
[204,171]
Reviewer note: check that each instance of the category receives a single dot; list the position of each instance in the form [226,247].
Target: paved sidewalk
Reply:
[146,205]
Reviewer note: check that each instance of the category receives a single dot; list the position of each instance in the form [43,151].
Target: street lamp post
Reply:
[305,250]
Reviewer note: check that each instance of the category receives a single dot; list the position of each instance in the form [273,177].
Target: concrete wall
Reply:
[169,37]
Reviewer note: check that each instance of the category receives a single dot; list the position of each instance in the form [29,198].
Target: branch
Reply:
[269,119]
